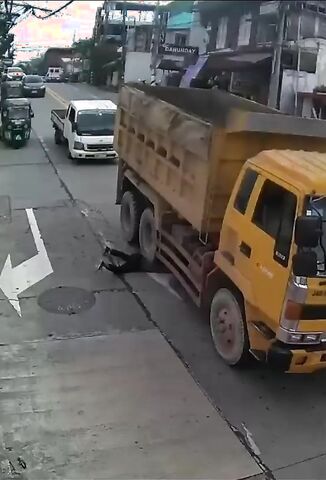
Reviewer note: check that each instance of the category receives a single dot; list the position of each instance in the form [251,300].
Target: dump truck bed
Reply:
[190,144]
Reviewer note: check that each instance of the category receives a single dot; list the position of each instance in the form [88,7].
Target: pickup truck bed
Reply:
[57,118]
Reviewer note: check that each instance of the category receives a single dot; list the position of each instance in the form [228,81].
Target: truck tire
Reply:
[228,328]
[147,235]
[57,137]
[130,212]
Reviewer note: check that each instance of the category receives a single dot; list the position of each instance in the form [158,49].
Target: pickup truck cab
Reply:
[87,127]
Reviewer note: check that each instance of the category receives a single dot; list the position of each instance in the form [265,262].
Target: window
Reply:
[245,190]
[221,32]
[180,39]
[322,28]
[244,29]
[275,214]
[266,30]
[72,114]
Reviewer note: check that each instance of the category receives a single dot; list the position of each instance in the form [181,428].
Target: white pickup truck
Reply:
[87,127]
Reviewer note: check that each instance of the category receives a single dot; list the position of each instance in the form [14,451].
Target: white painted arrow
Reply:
[15,280]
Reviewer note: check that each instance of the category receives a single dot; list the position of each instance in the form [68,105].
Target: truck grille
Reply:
[99,148]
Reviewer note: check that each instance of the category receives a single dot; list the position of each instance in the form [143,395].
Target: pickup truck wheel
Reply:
[130,213]
[147,235]
[57,137]
[69,154]
[228,328]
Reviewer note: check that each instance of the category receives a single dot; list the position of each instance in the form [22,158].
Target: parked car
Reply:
[33,86]
[15,73]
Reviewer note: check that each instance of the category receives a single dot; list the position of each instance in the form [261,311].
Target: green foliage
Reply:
[101,55]
[84,47]
[34,66]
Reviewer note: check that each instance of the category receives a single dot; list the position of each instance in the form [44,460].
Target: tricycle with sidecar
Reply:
[16,114]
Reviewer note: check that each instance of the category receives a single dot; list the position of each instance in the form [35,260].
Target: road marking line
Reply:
[250,440]
[57,97]
[15,280]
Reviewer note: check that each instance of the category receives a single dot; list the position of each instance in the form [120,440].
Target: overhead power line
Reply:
[51,13]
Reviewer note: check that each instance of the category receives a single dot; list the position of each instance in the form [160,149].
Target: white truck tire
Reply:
[228,328]
[148,235]
[130,212]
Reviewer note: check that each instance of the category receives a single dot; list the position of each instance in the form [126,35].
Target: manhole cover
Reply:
[66,300]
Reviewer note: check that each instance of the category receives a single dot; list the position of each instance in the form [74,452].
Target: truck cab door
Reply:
[256,243]
[70,118]
[271,220]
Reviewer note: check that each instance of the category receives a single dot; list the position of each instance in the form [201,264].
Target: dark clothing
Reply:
[130,262]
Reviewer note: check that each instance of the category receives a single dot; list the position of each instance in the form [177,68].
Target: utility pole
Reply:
[124,40]
[277,58]
[156,35]
[298,65]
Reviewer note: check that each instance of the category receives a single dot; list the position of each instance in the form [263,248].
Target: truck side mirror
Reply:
[73,126]
[308,230]
[304,264]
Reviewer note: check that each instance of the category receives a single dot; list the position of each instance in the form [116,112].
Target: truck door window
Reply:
[245,190]
[72,115]
[275,214]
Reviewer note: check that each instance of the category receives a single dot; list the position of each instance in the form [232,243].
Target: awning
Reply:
[168,64]
[251,57]
[229,62]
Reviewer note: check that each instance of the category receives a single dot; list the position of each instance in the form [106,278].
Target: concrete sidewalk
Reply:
[112,406]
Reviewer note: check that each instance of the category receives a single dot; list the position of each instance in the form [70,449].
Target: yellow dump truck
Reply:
[231,197]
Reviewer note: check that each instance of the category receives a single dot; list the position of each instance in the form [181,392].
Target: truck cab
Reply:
[87,126]
[272,250]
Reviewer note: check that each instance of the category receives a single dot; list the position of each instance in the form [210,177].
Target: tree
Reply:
[84,47]
[101,55]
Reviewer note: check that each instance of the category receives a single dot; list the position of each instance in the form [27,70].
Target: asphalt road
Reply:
[279,418]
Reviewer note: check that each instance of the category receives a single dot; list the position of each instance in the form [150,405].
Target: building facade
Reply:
[245,39]
[125,27]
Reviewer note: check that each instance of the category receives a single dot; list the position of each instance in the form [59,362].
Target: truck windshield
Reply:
[317,206]
[96,122]
[19,113]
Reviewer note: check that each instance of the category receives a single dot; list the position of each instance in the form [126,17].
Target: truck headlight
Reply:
[298,338]
[78,146]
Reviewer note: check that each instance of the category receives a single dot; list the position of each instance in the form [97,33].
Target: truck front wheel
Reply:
[228,328]
[147,235]
[130,212]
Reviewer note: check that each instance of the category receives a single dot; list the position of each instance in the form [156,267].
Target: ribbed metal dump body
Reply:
[190,144]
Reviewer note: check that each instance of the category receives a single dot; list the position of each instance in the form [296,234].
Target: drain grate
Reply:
[66,300]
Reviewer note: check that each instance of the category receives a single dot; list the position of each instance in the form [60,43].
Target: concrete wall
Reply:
[138,66]
[306,83]
[198,36]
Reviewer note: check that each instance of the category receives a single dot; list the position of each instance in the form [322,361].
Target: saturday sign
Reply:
[169,49]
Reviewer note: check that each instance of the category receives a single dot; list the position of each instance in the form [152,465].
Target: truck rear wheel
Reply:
[147,235]
[57,137]
[228,328]
[130,213]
